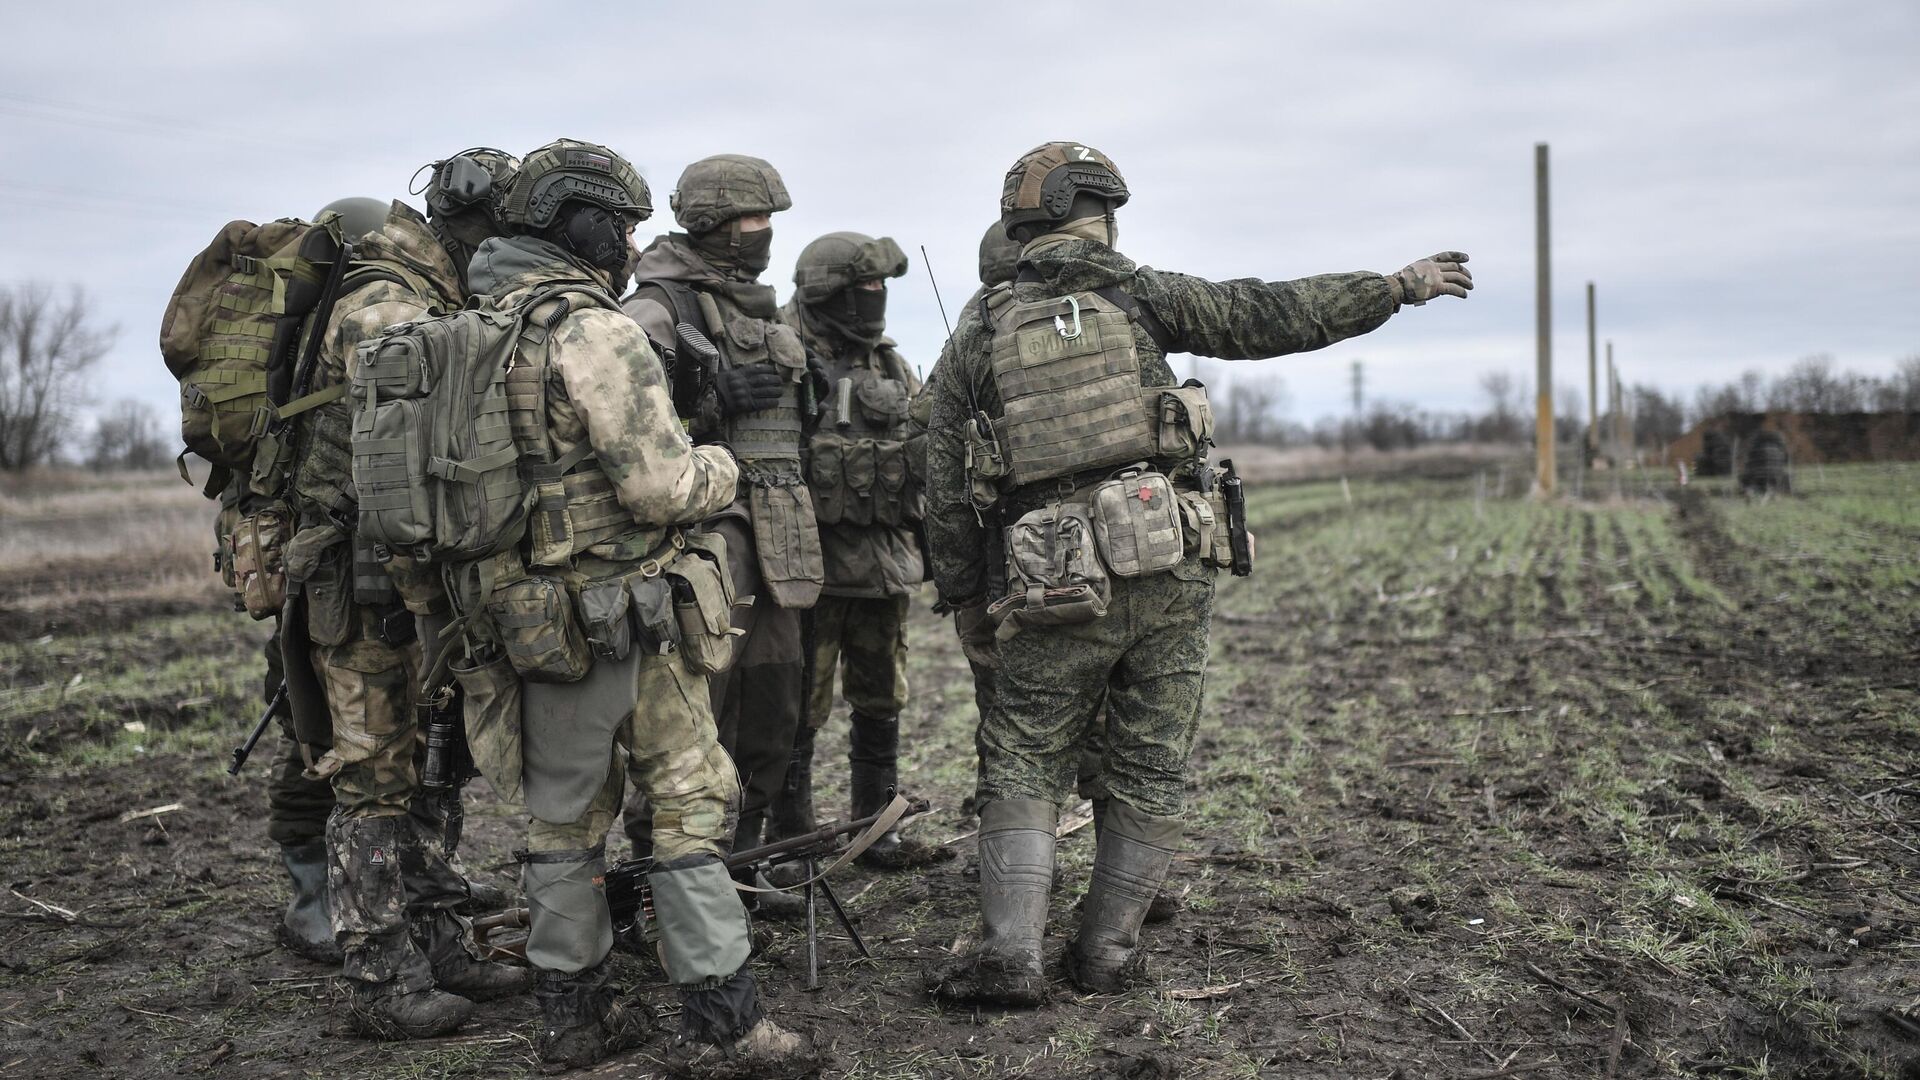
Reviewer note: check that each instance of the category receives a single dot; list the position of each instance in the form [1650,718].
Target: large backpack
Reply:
[231,332]
[439,473]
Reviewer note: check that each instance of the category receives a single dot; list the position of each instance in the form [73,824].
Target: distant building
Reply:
[1830,438]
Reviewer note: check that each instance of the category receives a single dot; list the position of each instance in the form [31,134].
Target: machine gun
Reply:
[630,895]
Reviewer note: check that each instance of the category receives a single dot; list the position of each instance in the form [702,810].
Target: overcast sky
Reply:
[1741,179]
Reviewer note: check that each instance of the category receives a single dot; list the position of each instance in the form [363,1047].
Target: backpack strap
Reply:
[357,277]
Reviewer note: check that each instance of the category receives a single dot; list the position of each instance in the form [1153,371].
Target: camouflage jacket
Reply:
[606,387]
[1242,319]
[863,560]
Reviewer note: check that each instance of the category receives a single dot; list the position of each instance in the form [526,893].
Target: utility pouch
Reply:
[326,578]
[826,473]
[1054,576]
[890,483]
[1136,521]
[534,620]
[985,464]
[786,542]
[256,553]
[490,696]
[1186,421]
[397,628]
[603,610]
[862,469]
[653,614]
[883,402]
[1197,524]
[703,607]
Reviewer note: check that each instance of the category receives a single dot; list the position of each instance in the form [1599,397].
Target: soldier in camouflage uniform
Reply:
[738,376]
[392,893]
[866,494]
[1091,618]
[628,502]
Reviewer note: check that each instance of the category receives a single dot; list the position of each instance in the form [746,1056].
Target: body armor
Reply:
[858,465]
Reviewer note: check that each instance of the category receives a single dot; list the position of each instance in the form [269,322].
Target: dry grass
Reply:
[113,537]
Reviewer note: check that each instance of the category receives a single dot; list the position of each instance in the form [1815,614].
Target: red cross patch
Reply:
[1146,494]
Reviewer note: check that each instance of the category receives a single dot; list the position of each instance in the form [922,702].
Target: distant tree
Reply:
[1502,423]
[1252,409]
[127,436]
[1657,418]
[46,346]
[1900,392]
[1812,386]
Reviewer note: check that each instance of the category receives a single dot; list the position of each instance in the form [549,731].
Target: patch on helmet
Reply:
[589,159]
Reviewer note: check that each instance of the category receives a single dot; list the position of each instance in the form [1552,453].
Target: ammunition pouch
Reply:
[862,481]
[703,604]
[256,555]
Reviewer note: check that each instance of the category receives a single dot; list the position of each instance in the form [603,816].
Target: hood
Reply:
[671,258]
[505,265]
[820,339]
[1071,264]
[405,238]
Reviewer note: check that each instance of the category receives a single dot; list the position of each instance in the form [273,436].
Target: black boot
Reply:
[443,938]
[305,928]
[580,1023]
[874,755]
[792,810]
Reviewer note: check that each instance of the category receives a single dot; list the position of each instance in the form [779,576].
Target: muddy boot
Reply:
[1016,874]
[874,756]
[390,991]
[305,929]
[723,1033]
[777,906]
[1167,900]
[580,1022]
[1135,851]
[443,938]
[792,811]
[486,898]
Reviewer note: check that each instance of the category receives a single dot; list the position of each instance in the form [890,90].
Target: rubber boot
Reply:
[792,811]
[442,937]
[874,754]
[485,898]
[1016,874]
[1167,903]
[390,990]
[778,906]
[1135,852]
[305,929]
[580,1022]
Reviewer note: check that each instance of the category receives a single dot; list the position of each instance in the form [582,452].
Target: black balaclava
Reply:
[859,315]
[725,247]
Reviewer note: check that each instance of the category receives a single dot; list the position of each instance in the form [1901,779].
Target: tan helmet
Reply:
[1041,185]
[359,216]
[717,189]
[567,170]
[840,259]
[999,255]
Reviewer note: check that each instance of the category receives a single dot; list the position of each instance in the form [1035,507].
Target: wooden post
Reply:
[1593,386]
[1543,328]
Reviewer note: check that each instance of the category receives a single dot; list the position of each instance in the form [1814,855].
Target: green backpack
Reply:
[439,472]
[232,336]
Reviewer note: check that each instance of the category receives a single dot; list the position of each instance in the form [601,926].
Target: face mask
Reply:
[748,255]
[1100,229]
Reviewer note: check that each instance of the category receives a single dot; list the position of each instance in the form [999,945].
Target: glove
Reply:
[1421,281]
[748,388]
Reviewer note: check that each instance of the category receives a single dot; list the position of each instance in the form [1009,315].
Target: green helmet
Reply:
[840,259]
[717,189]
[999,255]
[567,170]
[1041,185]
[472,179]
[359,215]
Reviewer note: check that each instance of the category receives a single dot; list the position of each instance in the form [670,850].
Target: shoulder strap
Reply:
[1122,299]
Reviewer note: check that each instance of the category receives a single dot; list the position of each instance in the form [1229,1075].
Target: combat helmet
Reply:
[1042,183]
[472,180]
[999,255]
[359,216]
[717,189]
[840,259]
[567,170]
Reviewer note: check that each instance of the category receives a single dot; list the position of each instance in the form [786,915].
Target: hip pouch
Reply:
[826,475]
[703,606]
[1054,576]
[256,552]
[786,543]
[534,619]
[1136,521]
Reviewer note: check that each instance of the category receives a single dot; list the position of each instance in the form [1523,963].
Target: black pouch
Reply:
[659,627]
[603,612]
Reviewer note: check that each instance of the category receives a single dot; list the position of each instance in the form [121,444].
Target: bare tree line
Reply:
[50,342]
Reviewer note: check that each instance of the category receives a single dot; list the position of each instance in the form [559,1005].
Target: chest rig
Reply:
[713,330]
[858,465]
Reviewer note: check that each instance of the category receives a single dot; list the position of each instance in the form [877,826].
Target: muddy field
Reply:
[1617,787]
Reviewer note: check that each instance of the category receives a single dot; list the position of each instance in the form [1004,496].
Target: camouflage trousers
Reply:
[865,640]
[297,807]
[370,688]
[1146,659]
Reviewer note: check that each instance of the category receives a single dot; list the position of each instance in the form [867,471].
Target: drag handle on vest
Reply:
[1236,500]
[245,749]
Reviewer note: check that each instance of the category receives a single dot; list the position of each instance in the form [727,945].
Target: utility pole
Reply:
[1359,387]
[1543,323]
[1593,386]
[1622,427]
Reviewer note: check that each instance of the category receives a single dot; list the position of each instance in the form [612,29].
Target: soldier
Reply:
[737,375]
[1098,465]
[867,498]
[633,484]
[391,891]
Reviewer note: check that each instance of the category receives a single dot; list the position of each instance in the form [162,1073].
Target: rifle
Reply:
[630,895]
[1237,535]
[449,760]
[245,749]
